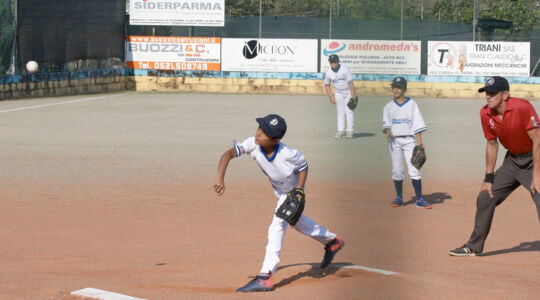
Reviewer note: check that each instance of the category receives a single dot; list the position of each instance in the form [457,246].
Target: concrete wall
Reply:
[102,81]
[64,83]
[419,86]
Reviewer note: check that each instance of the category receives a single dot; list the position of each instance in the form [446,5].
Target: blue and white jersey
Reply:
[340,78]
[282,168]
[403,119]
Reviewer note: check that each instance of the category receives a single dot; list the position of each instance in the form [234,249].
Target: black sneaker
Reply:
[330,251]
[463,251]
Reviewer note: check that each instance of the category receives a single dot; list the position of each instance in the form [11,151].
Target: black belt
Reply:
[521,155]
[402,136]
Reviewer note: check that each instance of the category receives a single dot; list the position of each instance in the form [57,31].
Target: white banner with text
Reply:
[269,55]
[479,58]
[177,12]
[374,56]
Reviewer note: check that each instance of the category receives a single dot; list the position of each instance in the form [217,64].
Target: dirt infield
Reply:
[114,192]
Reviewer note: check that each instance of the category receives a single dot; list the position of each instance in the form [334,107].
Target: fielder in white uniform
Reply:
[286,169]
[342,79]
[402,122]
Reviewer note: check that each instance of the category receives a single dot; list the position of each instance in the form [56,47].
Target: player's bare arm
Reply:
[302,177]
[353,91]
[492,148]
[219,186]
[330,94]
[419,139]
[534,135]
[388,134]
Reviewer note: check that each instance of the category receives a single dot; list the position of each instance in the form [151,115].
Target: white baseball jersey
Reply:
[282,168]
[403,119]
[341,79]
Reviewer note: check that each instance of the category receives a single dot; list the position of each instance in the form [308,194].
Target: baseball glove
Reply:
[292,207]
[353,102]
[418,158]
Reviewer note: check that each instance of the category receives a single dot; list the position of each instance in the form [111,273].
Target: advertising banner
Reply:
[373,56]
[177,12]
[269,55]
[173,53]
[479,58]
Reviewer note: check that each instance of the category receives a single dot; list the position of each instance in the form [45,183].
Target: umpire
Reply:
[514,122]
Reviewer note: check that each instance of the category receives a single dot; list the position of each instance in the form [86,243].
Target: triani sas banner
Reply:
[177,12]
[173,53]
[374,56]
[479,58]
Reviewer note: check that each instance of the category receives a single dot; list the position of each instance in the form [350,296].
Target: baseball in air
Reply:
[31,66]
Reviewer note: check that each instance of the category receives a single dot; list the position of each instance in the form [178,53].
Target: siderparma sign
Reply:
[177,12]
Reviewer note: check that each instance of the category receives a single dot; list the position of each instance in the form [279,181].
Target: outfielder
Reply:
[287,171]
[402,122]
[341,76]
[513,122]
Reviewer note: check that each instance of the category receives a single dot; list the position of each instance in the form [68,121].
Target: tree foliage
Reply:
[523,13]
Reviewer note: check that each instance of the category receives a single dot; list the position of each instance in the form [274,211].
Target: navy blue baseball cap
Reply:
[333,58]
[273,126]
[400,83]
[494,85]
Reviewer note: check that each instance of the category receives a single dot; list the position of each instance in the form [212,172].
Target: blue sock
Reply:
[398,184]
[417,185]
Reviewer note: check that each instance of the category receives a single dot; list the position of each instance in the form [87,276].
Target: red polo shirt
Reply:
[519,117]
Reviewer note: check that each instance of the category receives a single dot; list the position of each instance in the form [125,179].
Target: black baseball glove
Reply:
[292,208]
[353,102]
[418,158]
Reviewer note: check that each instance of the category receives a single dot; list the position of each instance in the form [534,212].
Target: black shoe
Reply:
[464,251]
[259,284]
[330,251]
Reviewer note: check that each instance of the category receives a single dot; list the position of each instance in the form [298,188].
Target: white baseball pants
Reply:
[401,147]
[276,233]
[344,114]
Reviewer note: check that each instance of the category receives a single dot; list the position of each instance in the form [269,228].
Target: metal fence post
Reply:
[401,25]
[330,21]
[260,19]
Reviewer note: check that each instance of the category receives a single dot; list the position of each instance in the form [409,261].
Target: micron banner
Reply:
[177,12]
[173,53]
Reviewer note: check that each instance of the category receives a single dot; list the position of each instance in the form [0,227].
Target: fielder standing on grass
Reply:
[513,122]
[287,170]
[402,123]
[344,90]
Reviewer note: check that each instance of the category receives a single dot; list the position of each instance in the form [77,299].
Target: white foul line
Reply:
[58,103]
[380,271]
[102,295]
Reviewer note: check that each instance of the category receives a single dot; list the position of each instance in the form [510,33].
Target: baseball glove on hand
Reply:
[292,208]
[418,158]
[353,102]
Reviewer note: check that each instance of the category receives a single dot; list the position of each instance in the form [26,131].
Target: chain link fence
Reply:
[424,20]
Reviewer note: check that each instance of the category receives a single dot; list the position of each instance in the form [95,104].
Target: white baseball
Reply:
[31,66]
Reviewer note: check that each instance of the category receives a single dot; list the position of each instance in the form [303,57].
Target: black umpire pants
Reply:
[516,170]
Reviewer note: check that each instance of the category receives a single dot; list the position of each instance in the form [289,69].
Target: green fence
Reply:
[460,20]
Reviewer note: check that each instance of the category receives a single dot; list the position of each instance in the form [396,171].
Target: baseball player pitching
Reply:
[342,79]
[402,122]
[287,171]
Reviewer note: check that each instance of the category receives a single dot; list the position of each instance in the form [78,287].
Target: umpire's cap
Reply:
[400,83]
[494,85]
[333,58]
[274,126]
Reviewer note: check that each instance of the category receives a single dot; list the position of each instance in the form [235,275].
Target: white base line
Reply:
[58,103]
[380,271]
[102,295]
